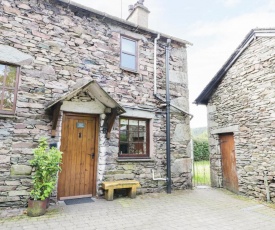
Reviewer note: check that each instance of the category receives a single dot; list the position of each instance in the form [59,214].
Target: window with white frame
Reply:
[128,54]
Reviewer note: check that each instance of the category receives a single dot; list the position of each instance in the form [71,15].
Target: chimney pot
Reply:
[130,8]
[138,14]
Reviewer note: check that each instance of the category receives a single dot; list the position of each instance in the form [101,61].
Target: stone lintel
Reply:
[229,129]
[11,55]
[138,113]
[91,107]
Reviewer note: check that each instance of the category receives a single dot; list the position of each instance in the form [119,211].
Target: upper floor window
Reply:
[128,54]
[133,137]
[8,88]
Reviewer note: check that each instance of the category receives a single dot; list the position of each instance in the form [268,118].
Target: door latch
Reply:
[92,155]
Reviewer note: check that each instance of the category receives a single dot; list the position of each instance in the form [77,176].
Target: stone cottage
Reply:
[94,85]
[241,118]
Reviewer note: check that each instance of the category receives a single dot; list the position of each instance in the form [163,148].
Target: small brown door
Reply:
[79,147]
[230,179]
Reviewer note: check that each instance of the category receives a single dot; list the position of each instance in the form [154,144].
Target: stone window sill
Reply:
[124,159]
[129,70]
[7,116]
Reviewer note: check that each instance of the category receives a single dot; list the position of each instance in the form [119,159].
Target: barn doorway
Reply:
[230,178]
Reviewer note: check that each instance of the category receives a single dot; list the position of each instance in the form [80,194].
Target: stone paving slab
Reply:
[196,209]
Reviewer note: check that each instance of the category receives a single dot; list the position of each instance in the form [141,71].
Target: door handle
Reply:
[92,155]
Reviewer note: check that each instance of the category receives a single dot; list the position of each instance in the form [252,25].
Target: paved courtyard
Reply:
[193,209]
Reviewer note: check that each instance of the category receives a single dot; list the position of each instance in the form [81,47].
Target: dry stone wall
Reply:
[67,45]
[243,104]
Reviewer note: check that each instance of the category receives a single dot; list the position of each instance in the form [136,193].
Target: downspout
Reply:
[164,179]
[168,159]
[155,64]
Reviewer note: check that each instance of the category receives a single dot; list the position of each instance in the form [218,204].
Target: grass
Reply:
[201,173]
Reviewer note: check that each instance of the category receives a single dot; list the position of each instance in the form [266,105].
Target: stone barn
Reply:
[95,86]
[241,118]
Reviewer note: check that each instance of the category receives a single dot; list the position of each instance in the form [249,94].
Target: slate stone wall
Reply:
[244,104]
[67,47]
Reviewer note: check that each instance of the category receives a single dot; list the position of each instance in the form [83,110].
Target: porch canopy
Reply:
[96,92]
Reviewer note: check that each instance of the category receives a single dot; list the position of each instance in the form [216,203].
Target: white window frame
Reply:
[135,70]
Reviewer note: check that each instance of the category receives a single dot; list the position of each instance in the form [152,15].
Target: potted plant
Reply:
[46,162]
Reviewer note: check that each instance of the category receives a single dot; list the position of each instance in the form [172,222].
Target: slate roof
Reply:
[96,90]
[208,91]
[104,16]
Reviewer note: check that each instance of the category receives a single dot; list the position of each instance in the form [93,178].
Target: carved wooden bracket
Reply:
[109,121]
[56,110]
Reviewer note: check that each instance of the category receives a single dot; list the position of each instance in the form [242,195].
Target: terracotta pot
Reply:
[36,207]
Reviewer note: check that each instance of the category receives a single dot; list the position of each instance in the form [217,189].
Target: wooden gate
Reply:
[79,146]
[230,178]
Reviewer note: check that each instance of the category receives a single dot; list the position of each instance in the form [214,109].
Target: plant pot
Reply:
[48,202]
[36,207]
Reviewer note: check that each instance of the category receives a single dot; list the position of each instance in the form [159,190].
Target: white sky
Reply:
[215,27]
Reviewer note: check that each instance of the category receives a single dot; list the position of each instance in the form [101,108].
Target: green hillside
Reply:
[199,132]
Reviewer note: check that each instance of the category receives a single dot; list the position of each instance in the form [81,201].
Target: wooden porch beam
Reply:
[110,122]
[56,111]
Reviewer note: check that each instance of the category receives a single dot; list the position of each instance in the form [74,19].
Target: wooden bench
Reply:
[110,186]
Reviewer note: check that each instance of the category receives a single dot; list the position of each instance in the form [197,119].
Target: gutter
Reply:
[176,107]
[122,21]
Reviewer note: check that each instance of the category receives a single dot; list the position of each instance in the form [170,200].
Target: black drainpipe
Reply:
[168,159]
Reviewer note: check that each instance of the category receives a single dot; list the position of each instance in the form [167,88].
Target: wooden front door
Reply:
[230,179]
[79,146]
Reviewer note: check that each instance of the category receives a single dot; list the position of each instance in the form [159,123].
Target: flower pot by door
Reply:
[48,202]
[36,207]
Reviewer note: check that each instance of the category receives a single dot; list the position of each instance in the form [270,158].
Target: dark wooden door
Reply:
[79,147]
[230,178]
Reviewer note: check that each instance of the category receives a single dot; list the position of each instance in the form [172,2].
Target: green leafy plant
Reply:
[47,164]
[200,144]
[201,151]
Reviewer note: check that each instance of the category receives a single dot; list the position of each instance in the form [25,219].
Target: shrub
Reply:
[47,164]
[200,148]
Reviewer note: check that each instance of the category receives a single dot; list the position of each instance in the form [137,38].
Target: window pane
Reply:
[133,148]
[123,121]
[11,76]
[140,148]
[128,46]
[144,147]
[133,136]
[136,148]
[133,126]
[123,135]
[128,61]
[142,125]
[142,137]
[2,73]
[8,100]
[123,148]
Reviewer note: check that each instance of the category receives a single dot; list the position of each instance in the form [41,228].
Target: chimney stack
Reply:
[138,14]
